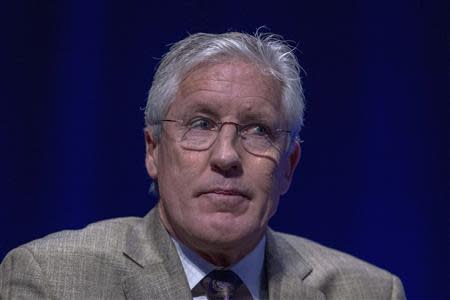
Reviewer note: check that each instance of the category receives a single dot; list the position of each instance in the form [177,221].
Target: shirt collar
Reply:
[249,268]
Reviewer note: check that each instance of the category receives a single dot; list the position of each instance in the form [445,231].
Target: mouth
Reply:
[220,199]
[225,192]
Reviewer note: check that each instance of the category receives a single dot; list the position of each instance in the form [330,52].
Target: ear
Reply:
[151,153]
[289,166]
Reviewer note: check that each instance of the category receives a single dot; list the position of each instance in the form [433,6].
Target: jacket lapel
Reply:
[155,268]
[286,270]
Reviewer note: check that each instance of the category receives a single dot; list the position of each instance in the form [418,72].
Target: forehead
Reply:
[229,87]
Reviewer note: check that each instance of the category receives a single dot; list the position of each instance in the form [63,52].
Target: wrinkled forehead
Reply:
[222,68]
[233,85]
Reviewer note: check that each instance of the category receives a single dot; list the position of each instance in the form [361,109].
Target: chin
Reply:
[229,235]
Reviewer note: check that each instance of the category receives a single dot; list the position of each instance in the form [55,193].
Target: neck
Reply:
[216,253]
[221,259]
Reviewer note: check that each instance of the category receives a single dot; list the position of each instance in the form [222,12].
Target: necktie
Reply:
[224,285]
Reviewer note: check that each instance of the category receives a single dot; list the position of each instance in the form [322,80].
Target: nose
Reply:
[224,156]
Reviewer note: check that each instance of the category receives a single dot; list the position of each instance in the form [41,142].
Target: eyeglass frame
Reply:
[218,127]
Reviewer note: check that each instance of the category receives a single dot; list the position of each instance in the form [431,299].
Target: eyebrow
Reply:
[205,107]
[260,119]
[201,108]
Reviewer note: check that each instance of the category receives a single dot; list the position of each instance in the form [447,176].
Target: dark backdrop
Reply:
[374,177]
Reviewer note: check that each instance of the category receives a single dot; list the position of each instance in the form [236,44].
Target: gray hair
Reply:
[271,53]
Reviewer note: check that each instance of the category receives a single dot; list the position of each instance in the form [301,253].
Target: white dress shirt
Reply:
[249,268]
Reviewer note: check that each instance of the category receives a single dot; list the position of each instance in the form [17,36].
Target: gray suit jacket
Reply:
[134,258]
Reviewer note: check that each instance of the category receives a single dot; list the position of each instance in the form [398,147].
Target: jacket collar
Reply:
[156,270]
[286,271]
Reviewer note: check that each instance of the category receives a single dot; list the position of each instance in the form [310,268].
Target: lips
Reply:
[225,192]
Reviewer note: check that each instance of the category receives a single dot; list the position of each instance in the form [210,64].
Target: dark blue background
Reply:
[374,176]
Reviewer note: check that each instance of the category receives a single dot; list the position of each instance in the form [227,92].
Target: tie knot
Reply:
[221,284]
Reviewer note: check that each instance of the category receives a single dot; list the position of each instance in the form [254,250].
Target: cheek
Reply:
[177,169]
[264,178]
[263,175]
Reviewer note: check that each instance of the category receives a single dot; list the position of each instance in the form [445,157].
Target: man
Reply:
[222,121]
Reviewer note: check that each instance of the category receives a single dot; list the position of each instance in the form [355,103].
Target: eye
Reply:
[201,123]
[257,130]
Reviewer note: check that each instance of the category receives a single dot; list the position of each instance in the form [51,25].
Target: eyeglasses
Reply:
[200,133]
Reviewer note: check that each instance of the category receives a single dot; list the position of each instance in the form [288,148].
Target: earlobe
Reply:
[151,153]
[290,166]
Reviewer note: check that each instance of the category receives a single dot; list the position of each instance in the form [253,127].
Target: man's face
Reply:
[221,198]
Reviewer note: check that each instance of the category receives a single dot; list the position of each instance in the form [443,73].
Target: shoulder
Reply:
[102,236]
[104,239]
[327,258]
[77,258]
[338,273]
